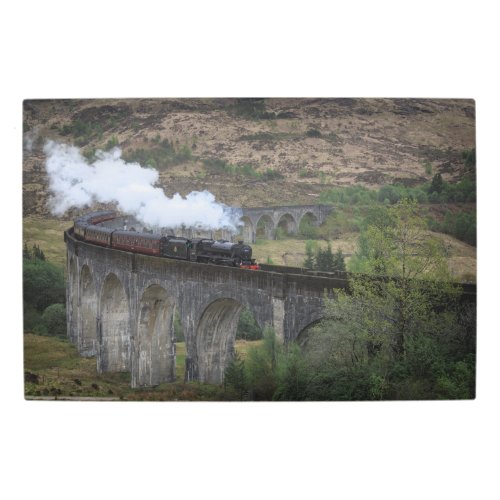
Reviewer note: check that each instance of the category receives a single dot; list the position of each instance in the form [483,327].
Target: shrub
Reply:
[43,284]
[310,261]
[271,174]
[313,133]
[161,156]
[254,108]
[54,320]
[235,380]
[112,143]
[469,157]
[437,184]
[461,225]
[32,318]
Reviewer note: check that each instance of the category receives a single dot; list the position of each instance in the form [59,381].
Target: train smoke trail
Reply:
[74,182]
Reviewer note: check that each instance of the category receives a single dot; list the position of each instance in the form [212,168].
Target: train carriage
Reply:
[132,241]
[80,227]
[98,235]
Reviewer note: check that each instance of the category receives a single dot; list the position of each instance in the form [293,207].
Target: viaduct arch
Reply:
[121,309]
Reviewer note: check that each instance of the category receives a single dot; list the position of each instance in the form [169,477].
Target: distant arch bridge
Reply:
[264,221]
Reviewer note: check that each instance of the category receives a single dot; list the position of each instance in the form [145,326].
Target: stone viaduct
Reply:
[121,307]
[289,218]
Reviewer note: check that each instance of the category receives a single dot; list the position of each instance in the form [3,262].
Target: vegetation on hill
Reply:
[305,146]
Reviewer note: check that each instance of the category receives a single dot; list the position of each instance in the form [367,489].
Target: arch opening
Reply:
[114,327]
[286,226]
[265,228]
[308,226]
[305,339]
[156,342]
[88,313]
[215,336]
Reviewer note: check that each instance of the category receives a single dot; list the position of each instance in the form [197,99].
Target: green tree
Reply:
[36,253]
[293,376]
[437,184]
[469,157]
[338,261]
[235,380]
[261,367]
[310,261]
[325,259]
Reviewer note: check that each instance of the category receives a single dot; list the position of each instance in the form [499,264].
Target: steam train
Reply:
[204,250]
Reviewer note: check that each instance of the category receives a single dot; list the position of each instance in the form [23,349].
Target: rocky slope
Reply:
[257,152]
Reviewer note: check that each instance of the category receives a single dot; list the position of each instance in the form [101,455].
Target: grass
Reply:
[54,369]
[48,234]
[286,252]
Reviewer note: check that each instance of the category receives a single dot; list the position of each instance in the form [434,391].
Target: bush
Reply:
[112,143]
[461,225]
[32,318]
[54,320]
[271,174]
[313,133]
[254,108]
[469,157]
[164,154]
[43,284]
[235,380]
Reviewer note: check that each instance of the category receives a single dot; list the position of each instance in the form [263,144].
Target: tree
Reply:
[260,367]
[338,261]
[325,260]
[310,261]
[36,253]
[235,380]
[437,184]
[43,284]
[395,336]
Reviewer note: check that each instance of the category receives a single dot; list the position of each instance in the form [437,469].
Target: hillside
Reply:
[257,152]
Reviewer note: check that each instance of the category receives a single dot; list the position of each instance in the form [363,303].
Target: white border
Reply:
[221,48]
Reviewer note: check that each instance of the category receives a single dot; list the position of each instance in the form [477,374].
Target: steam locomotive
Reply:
[204,250]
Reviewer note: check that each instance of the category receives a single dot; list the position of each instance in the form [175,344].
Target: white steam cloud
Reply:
[74,182]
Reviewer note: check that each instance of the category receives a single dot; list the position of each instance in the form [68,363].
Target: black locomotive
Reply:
[209,251]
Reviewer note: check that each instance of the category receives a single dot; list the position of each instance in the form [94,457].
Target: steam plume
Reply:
[74,182]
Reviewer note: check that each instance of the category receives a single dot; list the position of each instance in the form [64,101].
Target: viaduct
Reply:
[121,306]
[289,218]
